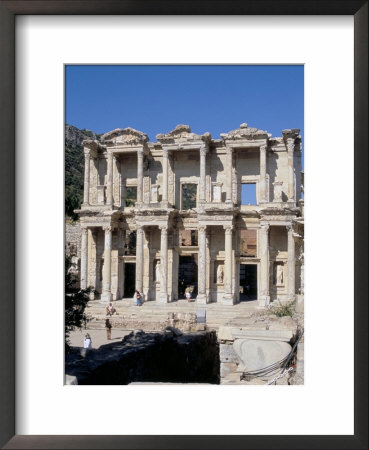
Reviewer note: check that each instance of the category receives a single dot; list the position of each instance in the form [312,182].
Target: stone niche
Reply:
[154,193]
[279,274]
[217,192]
[100,195]
[278,191]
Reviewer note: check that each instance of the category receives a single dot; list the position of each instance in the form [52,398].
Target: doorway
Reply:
[187,276]
[129,279]
[248,282]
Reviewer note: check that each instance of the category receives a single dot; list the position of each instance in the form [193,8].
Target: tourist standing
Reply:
[108,327]
[138,298]
[188,294]
[87,343]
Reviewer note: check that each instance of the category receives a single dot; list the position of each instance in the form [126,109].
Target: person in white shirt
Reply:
[87,343]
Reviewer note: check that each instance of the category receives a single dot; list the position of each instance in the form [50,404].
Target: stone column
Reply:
[229,175]
[165,176]
[163,295]
[291,263]
[264,299]
[291,175]
[263,174]
[106,291]
[139,176]
[228,294]
[202,174]
[139,259]
[109,189]
[201,297]
[84,257]
[86,187]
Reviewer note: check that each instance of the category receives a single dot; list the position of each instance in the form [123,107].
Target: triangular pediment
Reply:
[245,132]
[182,133]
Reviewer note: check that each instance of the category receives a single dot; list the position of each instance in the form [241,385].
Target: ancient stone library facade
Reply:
[220,217]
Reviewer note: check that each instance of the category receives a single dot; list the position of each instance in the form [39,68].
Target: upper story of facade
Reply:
[246,169]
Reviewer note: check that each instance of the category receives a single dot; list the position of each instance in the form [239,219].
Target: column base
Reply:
[162,298]
[299,303]
[264,301]
[228,299]
[202,299]
[106,297]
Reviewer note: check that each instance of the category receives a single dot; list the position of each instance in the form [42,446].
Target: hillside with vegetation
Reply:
[74,168]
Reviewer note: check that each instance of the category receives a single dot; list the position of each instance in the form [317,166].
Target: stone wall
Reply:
[149,357]
[73,239]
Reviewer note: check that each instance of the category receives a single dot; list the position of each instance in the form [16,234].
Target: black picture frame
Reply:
[8,11]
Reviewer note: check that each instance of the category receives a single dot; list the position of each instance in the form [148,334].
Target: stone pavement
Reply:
[152,316]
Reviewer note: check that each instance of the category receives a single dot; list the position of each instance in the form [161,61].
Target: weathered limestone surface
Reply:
[189,184]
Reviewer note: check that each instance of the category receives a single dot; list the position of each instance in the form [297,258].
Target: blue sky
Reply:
[154,99]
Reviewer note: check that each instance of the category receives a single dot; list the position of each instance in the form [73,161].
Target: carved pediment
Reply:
[182,133]
[125,136]
[245,132]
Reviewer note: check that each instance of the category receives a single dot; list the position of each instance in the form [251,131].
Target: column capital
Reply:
[264,226]
[84,229]
[107,228]
[290,145]
[203,150]
[139,229]
[228,229]
[165,152]
[229,149]
[263,147]
[202,229]
[289,228]
[140,151]
[163,228]
[87,153]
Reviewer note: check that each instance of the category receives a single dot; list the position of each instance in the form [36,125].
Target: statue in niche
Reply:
[279,274]
[217,192]
[157,272]
[278,191]
[220,274]
[154,193]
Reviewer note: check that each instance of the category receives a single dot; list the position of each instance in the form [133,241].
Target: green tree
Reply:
[75,303]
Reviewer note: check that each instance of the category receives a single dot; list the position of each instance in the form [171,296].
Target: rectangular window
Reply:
[248,194]
[189,194]
[248,243]
[131,195]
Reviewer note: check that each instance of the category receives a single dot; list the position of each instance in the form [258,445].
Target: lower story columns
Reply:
[106,295]
[84,258]
[201,296]
[228,298]
[139,260]
[264,298]
[163,294]
[291,264]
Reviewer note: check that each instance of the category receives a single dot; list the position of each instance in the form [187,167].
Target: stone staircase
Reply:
[152,316]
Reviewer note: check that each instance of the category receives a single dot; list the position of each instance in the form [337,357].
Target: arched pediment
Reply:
[125,136]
